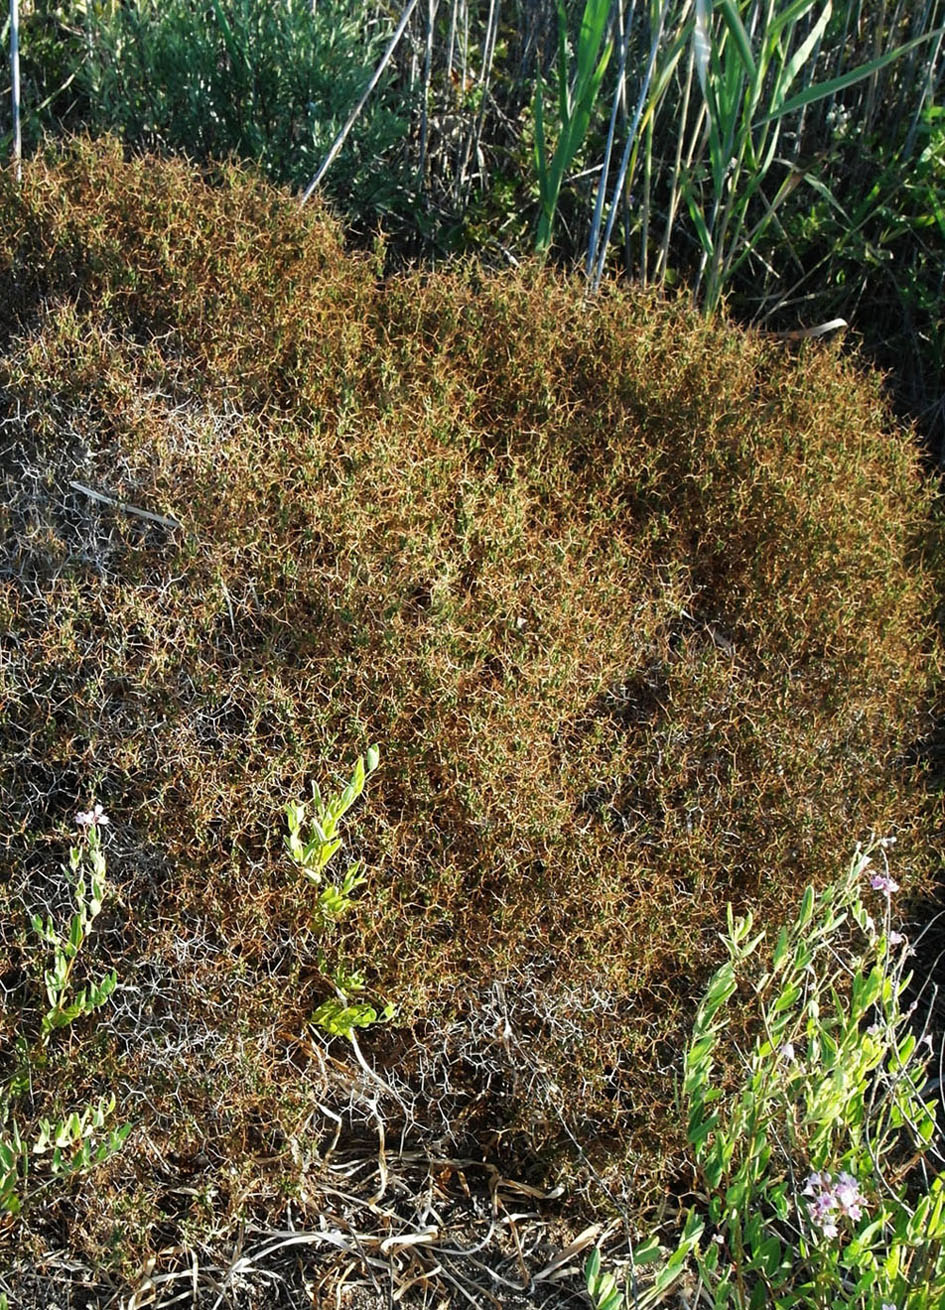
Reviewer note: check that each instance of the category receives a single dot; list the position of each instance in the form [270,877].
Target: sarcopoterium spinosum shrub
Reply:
[639,605]
[817,1174]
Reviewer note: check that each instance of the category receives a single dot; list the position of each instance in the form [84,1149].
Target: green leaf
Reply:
[704,1045]
[702,42]
[758,1299]
[800,58]
[734,24]
[788,997]
[771,1256]
[822,90]
[806,910]
[788,16]
[699,1131]
[593,22]
[339,1019]
[541,157]
[648,1251]
[564,102]
[99,994]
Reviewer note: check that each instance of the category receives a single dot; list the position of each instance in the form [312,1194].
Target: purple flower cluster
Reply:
[833,1199]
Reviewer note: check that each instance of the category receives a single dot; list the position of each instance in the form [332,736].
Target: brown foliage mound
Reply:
[633,603]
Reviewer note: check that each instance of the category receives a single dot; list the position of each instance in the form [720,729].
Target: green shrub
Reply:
[270,83]
[877,257]
[637,604]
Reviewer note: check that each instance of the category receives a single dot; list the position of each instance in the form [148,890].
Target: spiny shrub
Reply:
[636,603]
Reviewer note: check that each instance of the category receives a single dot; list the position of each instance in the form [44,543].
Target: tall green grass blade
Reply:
[661,79]
[821,90]
[734,24]
[541,153]
[593,23]
[702,42]
[235,49]
[787,18]
[564,100]
[576,102]
[800,57]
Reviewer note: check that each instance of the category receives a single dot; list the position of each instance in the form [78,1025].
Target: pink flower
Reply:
[896,939]
[833,1201]
[881,882]
[850,1200]
[90,818]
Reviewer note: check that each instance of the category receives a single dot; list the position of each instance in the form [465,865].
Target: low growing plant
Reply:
[340,1015]
[81,1138]
[812,1181]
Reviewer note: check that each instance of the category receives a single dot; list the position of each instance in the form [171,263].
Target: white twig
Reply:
[124,506]
[820,330]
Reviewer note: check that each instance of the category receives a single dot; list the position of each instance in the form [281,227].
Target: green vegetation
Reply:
[79,1140]
[272,84]
[818,1180]
[576,100]
[761,152]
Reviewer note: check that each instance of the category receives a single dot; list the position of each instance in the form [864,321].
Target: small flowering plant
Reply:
[87,874]
[84,1137]
[818,1181]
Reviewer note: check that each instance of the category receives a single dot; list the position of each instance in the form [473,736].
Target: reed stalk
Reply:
[15,87]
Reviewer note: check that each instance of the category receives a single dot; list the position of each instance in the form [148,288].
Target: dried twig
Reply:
[124,506]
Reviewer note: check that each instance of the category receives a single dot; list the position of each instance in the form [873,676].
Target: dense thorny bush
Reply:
[636,603]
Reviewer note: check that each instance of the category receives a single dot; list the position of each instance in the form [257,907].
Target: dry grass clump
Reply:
[634,604]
